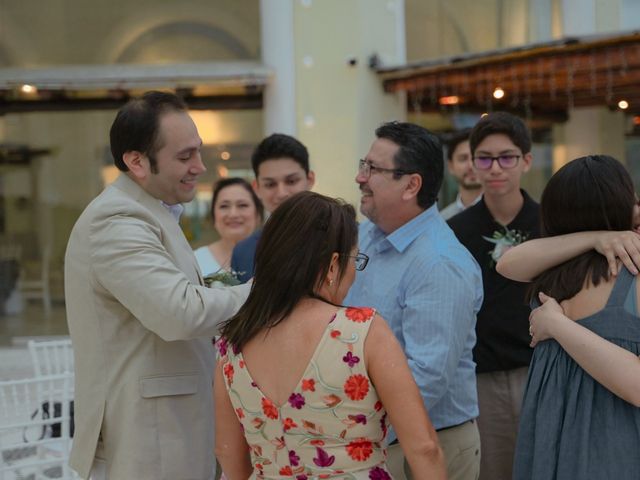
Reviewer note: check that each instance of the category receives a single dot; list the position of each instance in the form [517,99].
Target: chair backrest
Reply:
[51,357]
[35,428]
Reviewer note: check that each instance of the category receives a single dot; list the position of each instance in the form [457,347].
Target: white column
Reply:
[278,52]
[590,130]
[540,20]
[323,74]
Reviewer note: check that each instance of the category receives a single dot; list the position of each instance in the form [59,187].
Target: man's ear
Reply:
[413,186]
[137,163]
[311,179]
[527,160]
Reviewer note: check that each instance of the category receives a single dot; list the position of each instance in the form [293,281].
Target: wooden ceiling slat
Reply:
[580,73]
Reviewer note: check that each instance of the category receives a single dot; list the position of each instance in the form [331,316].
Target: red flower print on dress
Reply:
[241,363]
[269,409]
[296,400]
[360,449]
[228,372]
[288,424]
[317,443]
[286,470]
[356,387]
[331,400]
[335,333]
[308,385]
[359,315]
[322,458]
[240,413]
[378,406]
[257,422]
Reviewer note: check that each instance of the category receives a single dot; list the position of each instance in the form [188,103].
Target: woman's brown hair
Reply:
[587,194]
[292,260]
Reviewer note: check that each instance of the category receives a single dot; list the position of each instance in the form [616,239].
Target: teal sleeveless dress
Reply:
[571,427]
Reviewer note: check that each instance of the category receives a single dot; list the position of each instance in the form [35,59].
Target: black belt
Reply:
[442,429]
[454,426]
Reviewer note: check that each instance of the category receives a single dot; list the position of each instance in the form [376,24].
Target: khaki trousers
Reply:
[500,400]
[461,447]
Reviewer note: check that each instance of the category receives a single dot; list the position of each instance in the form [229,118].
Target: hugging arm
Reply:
[529,259]
[388,369]
[612,366]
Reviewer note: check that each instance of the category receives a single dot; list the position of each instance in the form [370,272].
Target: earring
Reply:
[330,282]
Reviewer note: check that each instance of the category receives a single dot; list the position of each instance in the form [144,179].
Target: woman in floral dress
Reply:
[304,387]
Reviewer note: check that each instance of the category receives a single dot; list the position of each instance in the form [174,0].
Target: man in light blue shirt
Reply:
[424,283]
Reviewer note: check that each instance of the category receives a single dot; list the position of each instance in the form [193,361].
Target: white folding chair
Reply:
[51,357]
[35,428]
[38,287]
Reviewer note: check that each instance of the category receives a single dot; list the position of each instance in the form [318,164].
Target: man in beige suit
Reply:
[140,319]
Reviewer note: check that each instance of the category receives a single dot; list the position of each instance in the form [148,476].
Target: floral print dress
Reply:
[333,424]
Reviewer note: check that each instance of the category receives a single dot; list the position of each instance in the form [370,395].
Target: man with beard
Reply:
[426,285]
[461,168]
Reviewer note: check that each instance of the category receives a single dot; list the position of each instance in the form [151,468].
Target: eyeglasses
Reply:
[361,261]
[485,162]
[365,169]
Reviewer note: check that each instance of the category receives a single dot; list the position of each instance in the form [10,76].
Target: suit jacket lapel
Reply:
[164,216]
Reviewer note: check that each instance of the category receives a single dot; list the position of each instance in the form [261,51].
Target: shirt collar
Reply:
[175,210]
[402,237]
[461,205]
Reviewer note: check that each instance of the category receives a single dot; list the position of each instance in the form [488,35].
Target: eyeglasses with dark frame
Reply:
[361,260]
[506,161]
[366,169]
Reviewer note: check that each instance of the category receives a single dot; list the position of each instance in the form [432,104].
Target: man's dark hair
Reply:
[456,139]
[587,194]
[227,182]
[420,152]
[501,122]
[137,126]
[292,260]
[279,145]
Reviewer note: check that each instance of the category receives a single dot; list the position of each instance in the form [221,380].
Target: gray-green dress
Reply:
[571,427]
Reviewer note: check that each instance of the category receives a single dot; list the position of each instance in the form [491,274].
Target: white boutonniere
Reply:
[503,241]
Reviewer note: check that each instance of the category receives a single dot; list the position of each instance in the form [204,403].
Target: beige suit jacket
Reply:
[141,323]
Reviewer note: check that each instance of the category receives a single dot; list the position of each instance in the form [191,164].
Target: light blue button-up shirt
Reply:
[428,288]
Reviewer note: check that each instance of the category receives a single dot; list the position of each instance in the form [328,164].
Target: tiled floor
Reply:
[16,330]
[33,322]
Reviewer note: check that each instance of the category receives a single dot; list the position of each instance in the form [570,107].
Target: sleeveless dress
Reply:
[333,424]
[571,427]
[206,261]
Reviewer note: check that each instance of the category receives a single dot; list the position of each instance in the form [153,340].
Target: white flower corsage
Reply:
[503,241]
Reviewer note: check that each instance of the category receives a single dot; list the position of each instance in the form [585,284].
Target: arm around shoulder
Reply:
[615,368]
[388,369]
[528,260]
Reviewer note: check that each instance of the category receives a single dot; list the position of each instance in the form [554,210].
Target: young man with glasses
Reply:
[424,283]
[505,216]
